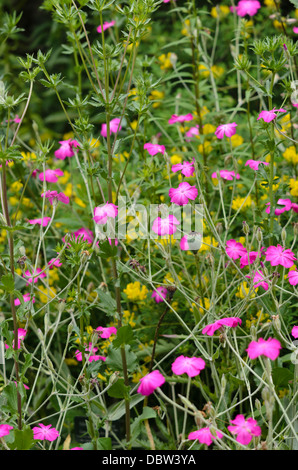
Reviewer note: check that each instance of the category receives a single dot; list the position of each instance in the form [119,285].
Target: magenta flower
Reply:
[159,294]
[229,321]
[42,221]
[92,357]
[183,193]
[278,256]
[192,132]
[106,332]
[101,213]
[191,241]
[226,130]
[165,226]
[245,429]
[150,382]
[55,196]
[182,118]
[21,336]
[268,348]
[66,149]
[51,176]
[35,274]
[287,203]
[204,436]
[45,433]
[153,149]
[258,280]
[247,7]
[268,116]
[294,332]
[186,168]
[235,249]
[191,366]
[226,175]
[105,26]
[293,277]
[294,207]
[295,29]
[114,127]
[26,298]
[254,164]
[84,234]
[5,429]
[54,262]
[248,258]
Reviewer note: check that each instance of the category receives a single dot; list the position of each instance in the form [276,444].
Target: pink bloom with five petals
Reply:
[268,116]
[247,7]
[226,175]
[5,429]
[101,213]
[294,331]
[293,277]
[186,168]
[276,255]
[191,366]
[153,149]
[66,149]
[106,332]
[235,249]
[232,322]
[150,382]
[45,433]
[268,348]
[226,130]
[254,164]
[183,193]
[204,436]
[51,176]
[166,226]
[245,429]
[105,26]
[182,118]
[159,294]
[114,127]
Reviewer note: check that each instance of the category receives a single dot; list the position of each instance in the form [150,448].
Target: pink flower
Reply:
[54,262]
[226,129]
[26,298]
[21,336]
[153,149]
[259,280]
[150,382]
[294,331]
[235,249]
[204,436]
[244,429]
[182,118]
[51,176]
[247,7]
[45,433]
[114,127]
[226,175]
[229,321]
[35,275]
[76,448]
[106,332]
[91,358]
[192,132]
[268,116]
[159,294]
[5,429]
[84,234]
[295,29]
[105,26]
[187,168]
[293,277]
[254,164]
[66,149]
[54,195]
[294,207]
[191,366]
[165,226]
[287,203]
[191,241]
[101,213]
[268,348]
[42,221]
[248,258]
[183,193]
[278,256]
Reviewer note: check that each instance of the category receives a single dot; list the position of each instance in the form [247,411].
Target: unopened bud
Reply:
[295,225]
[253,332]
[61,305]
[276,322]
[245,228]
[283,236]
[258,404]
[259,235]
[219,228]
[70,328]
[114,377]
[223,384]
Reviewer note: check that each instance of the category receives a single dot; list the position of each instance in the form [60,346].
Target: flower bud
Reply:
[259,235]
[276,322]
[245,228]
[70,328]
[283,236]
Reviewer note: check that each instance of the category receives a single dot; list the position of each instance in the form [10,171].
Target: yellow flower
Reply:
[203,71]
[13,200]
[166,60]
[46,294]
[217,71]
[208,129]
[270,3]
[206,146]
[2,236]
[224,10]
[237,140]
[128,318]
[79,202]
[70,361]
[68,191]
[290,155]
[186,30]
[243,291]
[64,179]
[27,202]
[208,243]
[175,159]
[138,375]
[134,124]
[28,156]
[16,186]
[259,319]
[166,240]
[68,135]
[293,187]
[53,276]
[135,291]
[239,201]
[157,97]
[278,25]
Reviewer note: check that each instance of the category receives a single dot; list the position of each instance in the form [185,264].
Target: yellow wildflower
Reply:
[239,201]
[166,61]
[135,291]
[237,140]
[224,10]
[157,97]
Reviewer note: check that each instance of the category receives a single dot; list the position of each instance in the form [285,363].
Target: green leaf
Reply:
[119,390]
[281,377]
[7,283]
[114,359]
[104,443]
[23,439]
[106,302]
[124,336]
[136,426]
